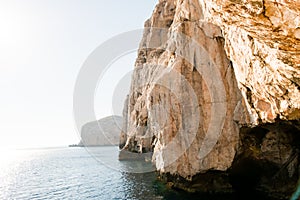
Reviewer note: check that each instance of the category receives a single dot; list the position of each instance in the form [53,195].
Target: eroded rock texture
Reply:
[215,89]
[262,41]
[174,91]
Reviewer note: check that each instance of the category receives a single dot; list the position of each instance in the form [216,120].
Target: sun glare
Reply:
[10,155]
[15,35]
[7,155]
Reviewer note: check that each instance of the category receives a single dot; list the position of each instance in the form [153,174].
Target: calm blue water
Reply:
[79,173]
[70,173]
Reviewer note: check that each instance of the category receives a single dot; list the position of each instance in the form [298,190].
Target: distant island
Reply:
[103,132]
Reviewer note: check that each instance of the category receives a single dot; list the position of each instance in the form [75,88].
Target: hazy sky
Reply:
[43,44]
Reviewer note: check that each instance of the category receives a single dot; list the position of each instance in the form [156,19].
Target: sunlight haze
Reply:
[43,44]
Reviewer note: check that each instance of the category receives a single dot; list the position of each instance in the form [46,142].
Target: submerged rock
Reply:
[127,155]
[215,95]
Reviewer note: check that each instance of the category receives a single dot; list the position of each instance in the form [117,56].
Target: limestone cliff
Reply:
[262,41]
[102,132]
[215,94]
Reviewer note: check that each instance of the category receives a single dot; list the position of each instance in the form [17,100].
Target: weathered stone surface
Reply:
[263,44]
[216,91]
[268,159]
[174,91]
[105,131]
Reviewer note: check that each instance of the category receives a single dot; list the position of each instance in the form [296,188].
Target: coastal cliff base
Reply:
[267,165]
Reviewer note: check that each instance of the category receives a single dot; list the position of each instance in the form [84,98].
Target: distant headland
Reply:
[103,132]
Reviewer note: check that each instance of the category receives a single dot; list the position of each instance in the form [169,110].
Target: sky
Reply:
[43,45]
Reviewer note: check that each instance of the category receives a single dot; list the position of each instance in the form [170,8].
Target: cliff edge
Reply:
[215,95]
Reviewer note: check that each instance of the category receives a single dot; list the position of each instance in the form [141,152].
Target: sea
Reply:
[81,173]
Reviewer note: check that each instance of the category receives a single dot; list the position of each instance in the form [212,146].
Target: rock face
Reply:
[215,95]
[103,132]
[262,41]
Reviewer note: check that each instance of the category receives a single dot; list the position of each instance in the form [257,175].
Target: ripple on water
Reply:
[74,173]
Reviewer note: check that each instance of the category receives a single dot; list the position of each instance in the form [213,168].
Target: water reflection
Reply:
[140,186]
[109,157]
[296,194]
[137,179]
[146,186]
